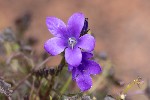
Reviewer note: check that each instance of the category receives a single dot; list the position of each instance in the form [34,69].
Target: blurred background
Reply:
[121,29]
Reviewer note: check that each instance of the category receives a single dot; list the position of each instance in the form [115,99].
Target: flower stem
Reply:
[65,87]
[60,66]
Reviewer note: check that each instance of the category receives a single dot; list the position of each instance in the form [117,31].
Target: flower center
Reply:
[72,42]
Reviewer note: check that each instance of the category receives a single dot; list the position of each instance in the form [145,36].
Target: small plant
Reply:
[77,48]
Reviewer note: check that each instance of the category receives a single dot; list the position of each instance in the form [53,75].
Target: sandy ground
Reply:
[121,28]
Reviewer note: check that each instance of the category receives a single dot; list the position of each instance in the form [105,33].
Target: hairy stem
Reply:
[65,87]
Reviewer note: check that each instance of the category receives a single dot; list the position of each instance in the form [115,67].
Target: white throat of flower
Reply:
[72,42]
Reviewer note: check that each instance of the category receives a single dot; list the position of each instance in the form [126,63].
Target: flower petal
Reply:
[86,55]
[54,46]
[73,56]
[87,43]
[75,24]
[56,26]
[92,67]
[76,71]
[84,82]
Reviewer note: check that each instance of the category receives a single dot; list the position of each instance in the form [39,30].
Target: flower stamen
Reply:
[72,42]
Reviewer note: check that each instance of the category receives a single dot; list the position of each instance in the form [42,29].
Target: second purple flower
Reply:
[67,37]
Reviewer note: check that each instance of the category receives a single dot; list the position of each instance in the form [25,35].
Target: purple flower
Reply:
[67,37]
[81,74]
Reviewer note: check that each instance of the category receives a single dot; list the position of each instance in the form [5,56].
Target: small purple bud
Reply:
[85,27]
